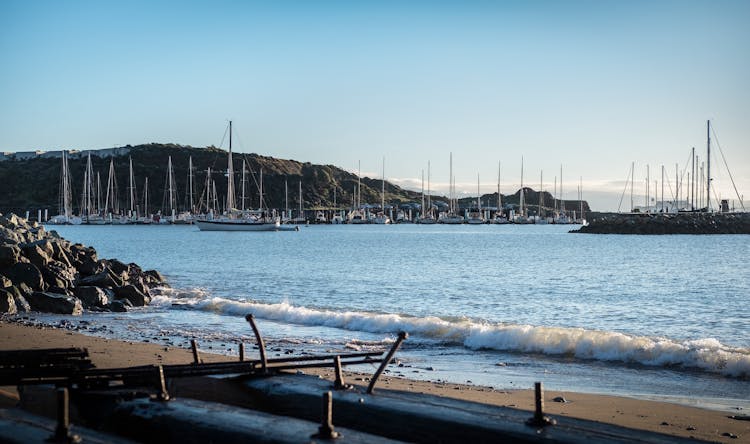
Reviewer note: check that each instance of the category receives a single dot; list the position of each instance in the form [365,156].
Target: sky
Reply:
[589,86]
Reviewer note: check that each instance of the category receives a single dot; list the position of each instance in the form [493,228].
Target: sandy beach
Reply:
[641,414]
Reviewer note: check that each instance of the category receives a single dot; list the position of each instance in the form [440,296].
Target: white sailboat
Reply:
[427,218]
[236,220]
[337,218]
[451,217]
[499,216]
[66,198]
[476,217]
[356,216]
[381,217]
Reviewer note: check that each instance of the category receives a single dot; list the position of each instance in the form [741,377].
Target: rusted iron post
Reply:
[161,382]
[242,351]
[326,431]
[194,346]
[261,346]
[401,337]
[338,383]
[539,420]
[62,431]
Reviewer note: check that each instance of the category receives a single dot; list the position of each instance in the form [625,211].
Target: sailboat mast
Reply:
[499,202]
[171,183]
[260,191]
[562,202]
[382,192]
[632,179]
[450,185]
[230,174]
[244,182]
[662,188]
[145,198]
[359,183]
[541,186]
[429,201]
[208,190]
[423,208]
[131,186]
[479,196]
[300,200]
[190,185]
[692,183]
[520,200]
[708,165]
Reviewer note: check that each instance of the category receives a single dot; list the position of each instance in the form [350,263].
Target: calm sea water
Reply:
[504,306]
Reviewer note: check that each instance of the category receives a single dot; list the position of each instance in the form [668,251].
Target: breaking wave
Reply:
[706,354]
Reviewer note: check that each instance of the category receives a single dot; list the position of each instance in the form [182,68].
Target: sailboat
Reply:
[499,216]
[381,218]
[236,220]
[452,217]
[427,217]
[66,198]
[337,218]
[89,211]
[476,217]
[356,216]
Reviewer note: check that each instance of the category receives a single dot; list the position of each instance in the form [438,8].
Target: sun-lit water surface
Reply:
[496,305]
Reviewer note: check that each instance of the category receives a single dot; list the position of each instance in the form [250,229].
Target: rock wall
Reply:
[680,223]
[40,271]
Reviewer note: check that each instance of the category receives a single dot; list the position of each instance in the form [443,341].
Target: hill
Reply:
[31,181]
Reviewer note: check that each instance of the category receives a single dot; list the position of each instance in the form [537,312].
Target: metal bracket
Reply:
[401,338]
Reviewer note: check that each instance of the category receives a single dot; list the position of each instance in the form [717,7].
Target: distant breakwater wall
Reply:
[40,271]
[680,223]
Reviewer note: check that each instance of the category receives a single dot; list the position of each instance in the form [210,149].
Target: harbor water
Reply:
[664,317]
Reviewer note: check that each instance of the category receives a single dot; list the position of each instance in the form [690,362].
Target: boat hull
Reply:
[209,225]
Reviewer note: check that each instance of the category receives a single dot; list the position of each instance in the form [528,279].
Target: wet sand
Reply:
[641,414]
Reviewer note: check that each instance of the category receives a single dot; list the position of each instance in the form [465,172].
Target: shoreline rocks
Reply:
[40,271]
[669,223]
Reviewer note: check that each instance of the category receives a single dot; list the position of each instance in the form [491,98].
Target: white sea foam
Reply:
[705,354]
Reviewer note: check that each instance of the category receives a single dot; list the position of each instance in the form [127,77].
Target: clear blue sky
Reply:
[591,85]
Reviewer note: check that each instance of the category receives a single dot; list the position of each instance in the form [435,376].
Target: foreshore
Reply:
[661,417]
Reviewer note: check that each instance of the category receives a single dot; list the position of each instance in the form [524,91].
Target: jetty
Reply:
[668,223]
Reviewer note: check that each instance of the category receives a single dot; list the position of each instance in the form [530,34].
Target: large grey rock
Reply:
[55,303]
[92,297]
[120,305]
[153,278]
[117,267]
[7,302]
[27,274]
[90,268]
[9,255]
[102,279]
[59,254]
[56,274]
[132,294]
[36,255]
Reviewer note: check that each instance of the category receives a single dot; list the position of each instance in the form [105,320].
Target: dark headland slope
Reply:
[31,181]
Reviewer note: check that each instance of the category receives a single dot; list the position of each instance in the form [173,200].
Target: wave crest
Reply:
[706,354]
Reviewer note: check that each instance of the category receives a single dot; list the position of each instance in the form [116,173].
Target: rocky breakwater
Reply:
[40,271]
[680,223]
